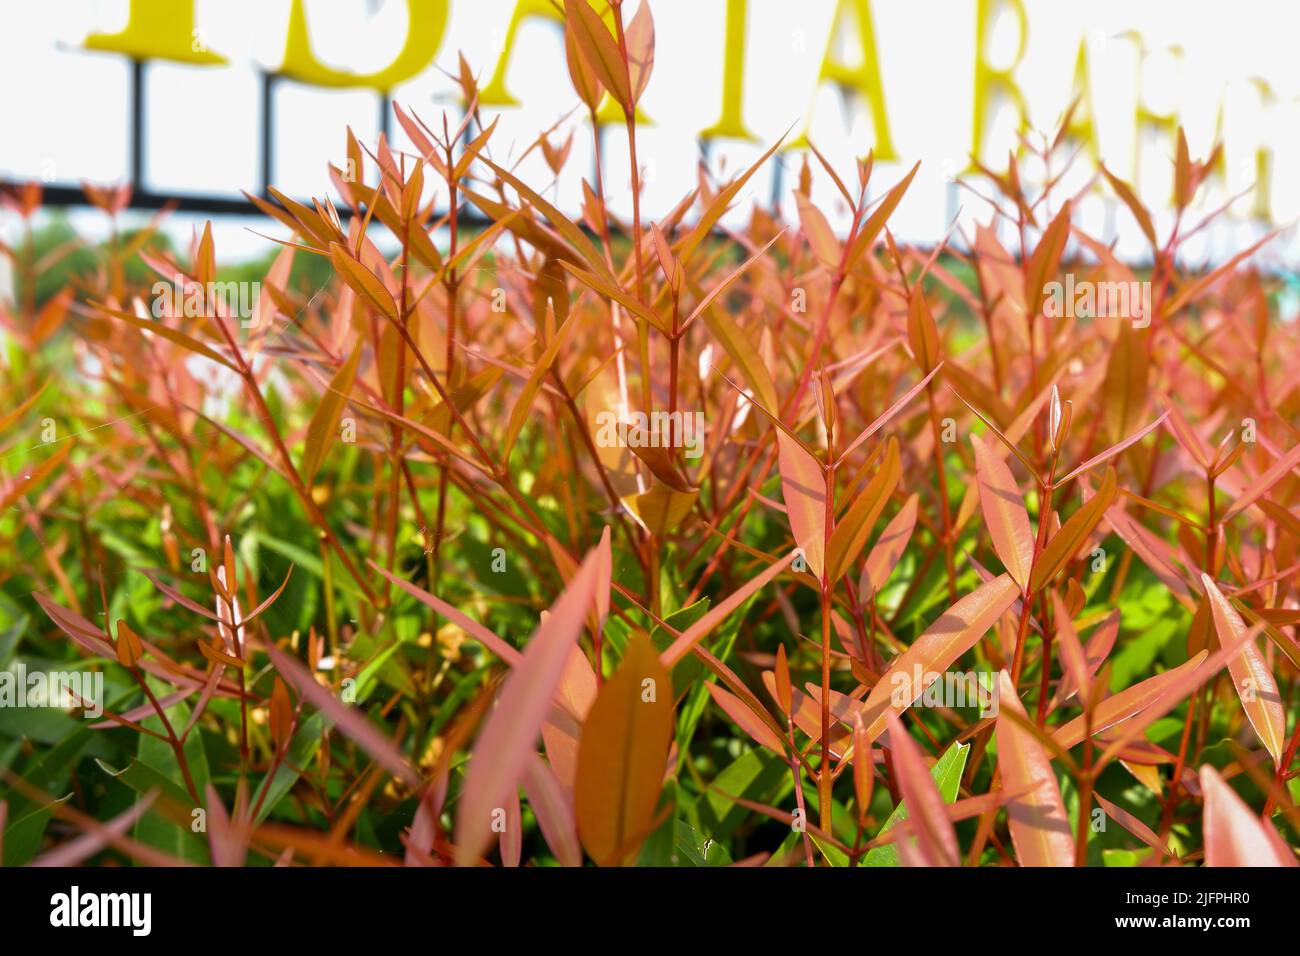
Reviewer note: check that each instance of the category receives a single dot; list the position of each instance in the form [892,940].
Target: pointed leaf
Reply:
[745,719]
[622,755]
[933,652]
[803,487]
[509,735]
[1251,678]
[323,428]
[888,549]
[1234,835]
[1063,545]
[1039,826]
[598,46]
[1004,512]
[932,841]
[853,529]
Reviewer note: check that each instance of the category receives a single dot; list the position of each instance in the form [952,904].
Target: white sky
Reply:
[64,110]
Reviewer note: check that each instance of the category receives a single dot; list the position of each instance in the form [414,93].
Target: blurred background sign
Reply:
[198,100]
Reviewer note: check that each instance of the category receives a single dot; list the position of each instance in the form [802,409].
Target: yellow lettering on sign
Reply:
[731,124]
[1262,207]
[992,83]
[862,79]
[426,23]
[1082,125]
[1246,161]
[496,93]
[158,30]
[1146,120]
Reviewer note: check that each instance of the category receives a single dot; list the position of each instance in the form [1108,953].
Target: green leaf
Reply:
[49,771]
[947,776]
[142,779]
[9,640]
[369,674]
[833,854]
[303,748]
[158,757]
[658,849]
[23,835]
[695,849]
[755,775]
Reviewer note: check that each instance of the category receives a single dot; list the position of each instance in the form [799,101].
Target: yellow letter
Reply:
[863,79]
[158,30]
[1251,161]
[731,123]
[496,93]
[1082,125]
[426,21]
[990,81]
[1147,121]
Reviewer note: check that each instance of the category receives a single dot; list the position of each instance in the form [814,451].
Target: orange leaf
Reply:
[1251,678]
[524,403]
[1129,198]
[722,287]
[623,753]
[129,647]
[933,652]
[784,690]
[1044,261]
[31,480]
[740,349]
[1074,660]
[922,334]
[888,549]
[1264,482]
[932,840]
[744,718]
[1039,826]
[818,233]
[864,779]
[173,335]
[363,282]
[853,529]
[1183,187]
[600,49]
[1072,535]
[803,486]
[509,734]
[640,38]
[1112,451]
[876,222]
[1004,512]
[553,810]
[322,429]
[1126,703]
[1234,835]
[281,714]
[585,82]
[1125,390]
